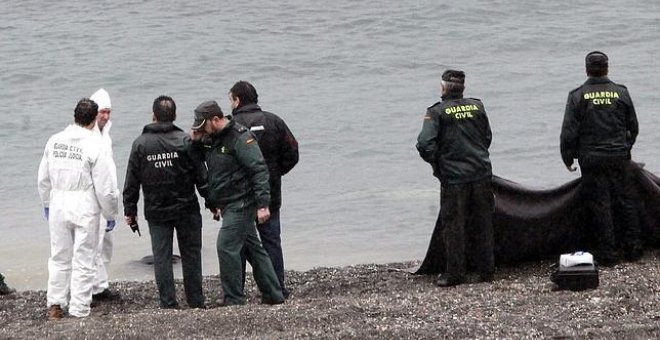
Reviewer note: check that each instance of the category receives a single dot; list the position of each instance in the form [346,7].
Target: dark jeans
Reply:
[468,208]
[608,188]
[237,241]
[269,233]
[189,236]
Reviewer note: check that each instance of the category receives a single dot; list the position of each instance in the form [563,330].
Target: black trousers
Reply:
[609,189]
[189,236]
[468,209]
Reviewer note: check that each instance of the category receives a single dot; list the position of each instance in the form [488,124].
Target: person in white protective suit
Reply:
[75,186]
[101,290]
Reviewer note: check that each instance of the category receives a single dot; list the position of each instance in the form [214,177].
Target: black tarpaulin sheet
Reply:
[539,224]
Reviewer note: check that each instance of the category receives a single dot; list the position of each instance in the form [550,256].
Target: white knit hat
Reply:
[102,99]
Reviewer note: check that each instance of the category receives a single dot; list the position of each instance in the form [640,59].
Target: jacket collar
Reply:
[228,126]
[160,127]
[597,80]
[106,128]
[450,96]
[78,131]
[246,108]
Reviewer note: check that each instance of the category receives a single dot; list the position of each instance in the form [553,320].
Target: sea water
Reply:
[352,79]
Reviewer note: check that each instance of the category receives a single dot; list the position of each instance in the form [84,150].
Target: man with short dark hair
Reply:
[455,138]
[239,190]
[280,150]
[164,163]
[599,129]
[76,187]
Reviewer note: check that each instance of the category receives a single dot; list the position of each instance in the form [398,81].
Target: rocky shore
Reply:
[372,301]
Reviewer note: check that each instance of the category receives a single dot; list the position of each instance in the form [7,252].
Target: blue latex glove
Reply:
[110,225]
[46,211]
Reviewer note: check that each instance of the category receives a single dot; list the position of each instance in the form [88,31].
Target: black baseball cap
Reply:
[204,111]
[454,76]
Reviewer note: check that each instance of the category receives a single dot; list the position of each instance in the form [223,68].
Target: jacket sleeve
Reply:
[632,126]
[569,132]
[428,137]
[288,149]
[113,169]
[488,133]
[196,153]
[105,186]
[43,179]
[132,183]
[250,158]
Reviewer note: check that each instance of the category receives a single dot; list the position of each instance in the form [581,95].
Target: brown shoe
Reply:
[55,313]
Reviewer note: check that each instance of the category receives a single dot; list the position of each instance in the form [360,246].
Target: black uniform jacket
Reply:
[455,138]
[599,120]
[278,145]
[168,168]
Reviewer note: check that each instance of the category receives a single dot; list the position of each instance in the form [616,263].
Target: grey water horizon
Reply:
[351,79]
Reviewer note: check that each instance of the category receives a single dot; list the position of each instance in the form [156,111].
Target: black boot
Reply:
[4,289]
[634,253]
[446,280]
[106,295]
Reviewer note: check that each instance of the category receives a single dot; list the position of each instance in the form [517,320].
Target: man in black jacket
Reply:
[164,163]
[599,129]
[280,150]
[455,138]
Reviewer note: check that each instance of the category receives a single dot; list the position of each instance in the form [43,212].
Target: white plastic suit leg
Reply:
[59,263]
[103,257]
[108,244]
[82,272]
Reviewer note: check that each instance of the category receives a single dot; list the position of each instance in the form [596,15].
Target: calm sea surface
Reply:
[351,78]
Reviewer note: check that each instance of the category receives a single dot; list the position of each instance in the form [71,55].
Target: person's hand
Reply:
[130,220]
[571,168]
[110,225]
[216,213]
[46,212]
[263,214]
[196,134]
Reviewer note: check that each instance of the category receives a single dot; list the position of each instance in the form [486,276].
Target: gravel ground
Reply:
[372,301]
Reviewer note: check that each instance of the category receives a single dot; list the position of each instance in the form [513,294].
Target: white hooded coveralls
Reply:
[106,239]
[75,183]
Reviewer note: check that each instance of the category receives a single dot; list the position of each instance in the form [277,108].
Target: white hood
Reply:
[102,99]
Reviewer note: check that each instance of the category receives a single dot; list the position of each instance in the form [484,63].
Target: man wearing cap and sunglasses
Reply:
[240,191]
[455,138]
[599,129]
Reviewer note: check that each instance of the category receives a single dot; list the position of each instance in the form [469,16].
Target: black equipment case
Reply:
[579,277]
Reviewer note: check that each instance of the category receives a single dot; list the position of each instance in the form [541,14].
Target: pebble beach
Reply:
[383,301]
